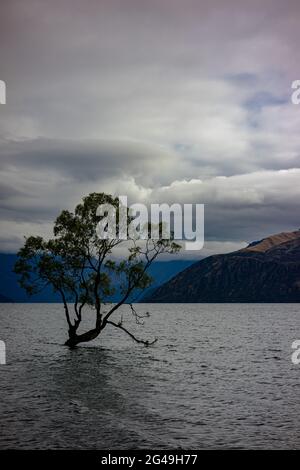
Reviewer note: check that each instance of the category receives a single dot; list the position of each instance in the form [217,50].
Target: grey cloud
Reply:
[92,160]
[137,96]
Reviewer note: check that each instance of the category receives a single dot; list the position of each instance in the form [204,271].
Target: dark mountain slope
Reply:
[265,271]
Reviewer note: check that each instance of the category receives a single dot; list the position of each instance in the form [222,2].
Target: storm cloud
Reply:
[166,101]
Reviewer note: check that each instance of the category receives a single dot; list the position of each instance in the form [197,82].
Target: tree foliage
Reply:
[84,269]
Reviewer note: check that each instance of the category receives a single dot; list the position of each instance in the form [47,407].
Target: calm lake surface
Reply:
[220,376]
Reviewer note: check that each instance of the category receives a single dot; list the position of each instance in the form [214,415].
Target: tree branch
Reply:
[129,290]
[119,325]
[66,308]
[138,317]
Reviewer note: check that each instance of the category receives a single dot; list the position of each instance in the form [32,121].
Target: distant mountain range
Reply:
[10,291]
[266,271]
[4,299]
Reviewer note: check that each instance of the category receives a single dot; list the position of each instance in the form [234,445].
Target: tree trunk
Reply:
[75,339]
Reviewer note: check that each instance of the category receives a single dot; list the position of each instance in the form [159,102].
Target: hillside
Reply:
[266,271]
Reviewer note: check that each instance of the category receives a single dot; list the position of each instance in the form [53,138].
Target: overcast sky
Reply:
[163,100]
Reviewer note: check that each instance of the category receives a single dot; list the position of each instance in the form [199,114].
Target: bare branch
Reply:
[121,327]
[138,316]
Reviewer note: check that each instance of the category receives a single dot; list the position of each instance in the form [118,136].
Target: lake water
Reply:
[220,376]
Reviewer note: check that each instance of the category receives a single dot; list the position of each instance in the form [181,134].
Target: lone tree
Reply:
[82,268]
